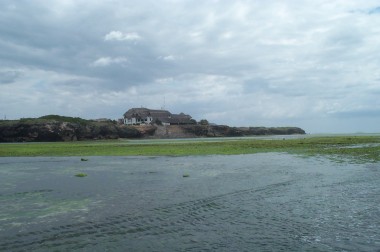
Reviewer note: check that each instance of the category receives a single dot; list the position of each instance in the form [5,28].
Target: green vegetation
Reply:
[203,122]
[358,148]
[65,119]
[48,118]
[81,175]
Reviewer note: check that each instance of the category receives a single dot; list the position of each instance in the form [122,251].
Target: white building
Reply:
[138,116]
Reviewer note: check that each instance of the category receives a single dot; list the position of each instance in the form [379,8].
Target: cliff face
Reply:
[187,131]
[48,130]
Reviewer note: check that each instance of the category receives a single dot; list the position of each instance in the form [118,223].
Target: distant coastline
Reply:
[55,128]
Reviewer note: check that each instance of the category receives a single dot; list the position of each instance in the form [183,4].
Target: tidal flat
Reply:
[292,194]
[362,148]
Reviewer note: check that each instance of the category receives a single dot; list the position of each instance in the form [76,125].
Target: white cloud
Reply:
[170,57]
[120,36]
[106,61]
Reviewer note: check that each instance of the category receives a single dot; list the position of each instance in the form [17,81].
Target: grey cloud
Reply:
[7,77]
[374,10]
[274,60]
[363,113]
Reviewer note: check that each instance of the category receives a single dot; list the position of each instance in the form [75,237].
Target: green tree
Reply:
[203,122]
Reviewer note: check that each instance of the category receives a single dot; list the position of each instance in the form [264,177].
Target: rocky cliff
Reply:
[187,131]
[44,130]
[57,128]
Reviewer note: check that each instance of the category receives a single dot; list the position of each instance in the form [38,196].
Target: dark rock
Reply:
[56,128]
[187,131]
[51,130]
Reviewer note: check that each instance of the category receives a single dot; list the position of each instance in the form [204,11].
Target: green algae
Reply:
[361,148]
[81,175]
[37,204]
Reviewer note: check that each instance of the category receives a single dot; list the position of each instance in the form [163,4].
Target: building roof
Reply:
[161,115]
[144,112]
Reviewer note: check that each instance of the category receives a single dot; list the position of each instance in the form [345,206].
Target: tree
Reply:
[192,121]
[203,122]
[158,122]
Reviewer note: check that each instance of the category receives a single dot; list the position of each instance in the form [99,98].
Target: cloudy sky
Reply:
[314,64]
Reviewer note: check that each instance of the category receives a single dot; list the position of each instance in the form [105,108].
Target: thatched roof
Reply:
[161,115]
[144,112]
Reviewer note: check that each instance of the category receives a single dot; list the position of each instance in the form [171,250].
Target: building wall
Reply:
[135,121]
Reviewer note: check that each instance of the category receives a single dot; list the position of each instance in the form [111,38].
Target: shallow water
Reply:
[259,202]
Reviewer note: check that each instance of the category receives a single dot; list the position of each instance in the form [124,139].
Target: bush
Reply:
[65,119]
[203,122]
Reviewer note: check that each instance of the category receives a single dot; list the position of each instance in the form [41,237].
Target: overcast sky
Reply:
[314,64]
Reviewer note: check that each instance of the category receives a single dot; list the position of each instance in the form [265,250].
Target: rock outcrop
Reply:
[188,131]
[51,130]
[57,128]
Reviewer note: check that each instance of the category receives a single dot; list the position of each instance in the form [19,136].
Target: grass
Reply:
[364,148]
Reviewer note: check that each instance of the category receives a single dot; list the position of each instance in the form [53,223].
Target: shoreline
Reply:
[360,148]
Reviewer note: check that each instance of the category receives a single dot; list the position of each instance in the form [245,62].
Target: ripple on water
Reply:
[267,202]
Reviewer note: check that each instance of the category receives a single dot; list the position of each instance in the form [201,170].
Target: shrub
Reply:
[203,122]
